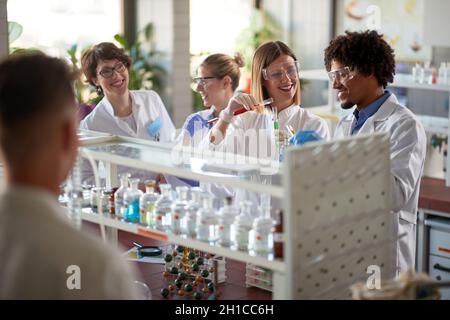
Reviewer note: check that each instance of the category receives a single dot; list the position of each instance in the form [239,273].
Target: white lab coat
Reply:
[38,245]
[408,150]
[234,142]
[146,107]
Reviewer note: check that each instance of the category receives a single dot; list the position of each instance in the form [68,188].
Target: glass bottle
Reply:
[227,214]
[262,231]
[75,195]
[118,196]
[443,74]
[178,209]
[131,201]
[147,203]
[278,239]
[162,207]
[207,222]
[189,221]
[242,225]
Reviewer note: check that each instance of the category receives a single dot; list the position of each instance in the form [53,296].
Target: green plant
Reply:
[15,30]
[84,92]
[262,28]
[145,72]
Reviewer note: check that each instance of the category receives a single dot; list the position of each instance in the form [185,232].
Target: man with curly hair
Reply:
[360,66]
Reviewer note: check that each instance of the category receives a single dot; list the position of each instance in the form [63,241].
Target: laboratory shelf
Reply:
[236,172]
[320,168]
[113,222]
[401,80]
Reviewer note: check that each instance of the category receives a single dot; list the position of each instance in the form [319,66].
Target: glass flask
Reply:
[263,232]
[118,196]
[207,221]
[163,207]
[178,209]
[131,201]
[75,194]
[227,214]
[189,222]
[147,203]
[242,225]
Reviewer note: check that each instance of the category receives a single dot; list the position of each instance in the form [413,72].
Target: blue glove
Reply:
[196,123]
[303,137]
[154,128]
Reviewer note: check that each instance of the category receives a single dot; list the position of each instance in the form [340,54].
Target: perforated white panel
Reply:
[338,220]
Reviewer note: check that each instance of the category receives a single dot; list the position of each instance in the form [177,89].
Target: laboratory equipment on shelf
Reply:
[189,221]
[227,214]
[278,235]
[163,207]
[242,225]
[131,201]
[147,203]
[262,232]
[178,209]
[443,74]
[118,196]
[75,195]
[207,221]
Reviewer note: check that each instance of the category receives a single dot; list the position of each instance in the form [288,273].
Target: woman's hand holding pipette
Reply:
[240,101]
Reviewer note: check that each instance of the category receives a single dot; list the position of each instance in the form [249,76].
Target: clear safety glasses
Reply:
[202,81]
[108,72]
[341,75]
[277,72]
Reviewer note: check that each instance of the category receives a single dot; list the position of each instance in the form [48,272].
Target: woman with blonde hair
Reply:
[275,75]
[217,80]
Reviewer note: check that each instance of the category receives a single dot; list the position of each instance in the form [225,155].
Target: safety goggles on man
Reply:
[341,75]
[107,72]
[277,72]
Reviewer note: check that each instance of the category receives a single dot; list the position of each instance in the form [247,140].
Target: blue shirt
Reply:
[199,121]
[367,112]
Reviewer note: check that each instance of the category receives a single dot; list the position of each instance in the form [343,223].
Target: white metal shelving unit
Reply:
[327,163]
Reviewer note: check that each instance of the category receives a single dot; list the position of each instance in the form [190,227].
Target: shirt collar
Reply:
[372,108]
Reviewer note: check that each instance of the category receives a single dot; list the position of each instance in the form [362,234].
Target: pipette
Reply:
[244,110]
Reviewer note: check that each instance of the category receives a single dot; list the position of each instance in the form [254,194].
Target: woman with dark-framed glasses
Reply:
[216,81]
[132,113]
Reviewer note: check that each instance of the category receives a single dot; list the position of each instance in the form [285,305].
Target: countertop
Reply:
[434,195]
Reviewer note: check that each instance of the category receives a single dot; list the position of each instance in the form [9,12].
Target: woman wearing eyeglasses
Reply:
[124,112]
[131,113]
[275,74]
[217,80]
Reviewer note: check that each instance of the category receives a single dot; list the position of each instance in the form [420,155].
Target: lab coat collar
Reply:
[135,107]
[286,113]
[382,114]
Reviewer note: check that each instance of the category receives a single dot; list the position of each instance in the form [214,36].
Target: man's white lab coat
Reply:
[408,150]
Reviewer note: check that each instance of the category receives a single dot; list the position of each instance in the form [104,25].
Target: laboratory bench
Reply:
[152,274]
[433,231]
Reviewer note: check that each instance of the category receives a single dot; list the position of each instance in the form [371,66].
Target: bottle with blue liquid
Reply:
[131,201]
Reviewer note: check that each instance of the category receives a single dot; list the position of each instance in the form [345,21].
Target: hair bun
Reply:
[239,59]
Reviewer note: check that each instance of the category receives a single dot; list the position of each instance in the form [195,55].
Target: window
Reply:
[53,26]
